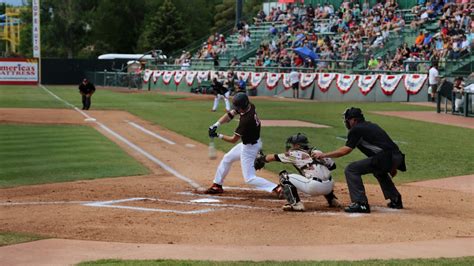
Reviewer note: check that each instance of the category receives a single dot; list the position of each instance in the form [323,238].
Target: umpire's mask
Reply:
[350,113]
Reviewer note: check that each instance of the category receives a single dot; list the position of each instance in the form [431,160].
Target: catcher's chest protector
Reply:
[305,164]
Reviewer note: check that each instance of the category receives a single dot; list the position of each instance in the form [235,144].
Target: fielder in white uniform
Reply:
[246,151]
[220,92]
[314,177]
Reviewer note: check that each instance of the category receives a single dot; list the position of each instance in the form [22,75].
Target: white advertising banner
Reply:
[36,29]
[18,71]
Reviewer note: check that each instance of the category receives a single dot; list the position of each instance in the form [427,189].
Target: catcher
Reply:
[314,176]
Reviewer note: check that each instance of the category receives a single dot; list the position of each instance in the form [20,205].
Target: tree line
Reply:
[88,28]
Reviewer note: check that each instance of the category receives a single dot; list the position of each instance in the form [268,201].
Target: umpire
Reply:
[86,89]
[384,158]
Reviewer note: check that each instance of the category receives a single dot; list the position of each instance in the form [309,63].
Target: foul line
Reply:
[149,156]
[130,144]
[153,134]
[43,203]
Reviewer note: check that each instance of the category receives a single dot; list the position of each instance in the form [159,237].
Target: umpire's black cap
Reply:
[353,112]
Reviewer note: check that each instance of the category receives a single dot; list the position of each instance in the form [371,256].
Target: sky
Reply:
[12,2]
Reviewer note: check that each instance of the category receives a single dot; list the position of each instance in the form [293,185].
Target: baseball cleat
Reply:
[215,189]
[358,207]
[297,207]
[396,203]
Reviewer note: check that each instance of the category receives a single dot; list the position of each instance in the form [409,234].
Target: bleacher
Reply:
[260,34]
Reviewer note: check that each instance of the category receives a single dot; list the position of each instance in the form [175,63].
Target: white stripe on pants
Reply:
[310,186]
[246,154]
[226,100]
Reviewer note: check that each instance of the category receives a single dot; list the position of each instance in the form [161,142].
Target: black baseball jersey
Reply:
[370,139]
[219,88]
[249,126]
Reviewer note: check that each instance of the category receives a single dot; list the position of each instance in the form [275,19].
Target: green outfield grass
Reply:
[412,262]
[36,154]
[433,151]
[9,238]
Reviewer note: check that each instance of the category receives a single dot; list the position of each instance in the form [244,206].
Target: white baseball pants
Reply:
[246,154]
[226,100]
[311,186]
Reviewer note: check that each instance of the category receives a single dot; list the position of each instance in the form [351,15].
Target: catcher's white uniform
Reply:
[315,177]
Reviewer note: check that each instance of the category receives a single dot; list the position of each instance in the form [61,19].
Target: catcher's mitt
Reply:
[260,161]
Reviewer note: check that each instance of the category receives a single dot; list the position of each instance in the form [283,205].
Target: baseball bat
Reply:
[212,150]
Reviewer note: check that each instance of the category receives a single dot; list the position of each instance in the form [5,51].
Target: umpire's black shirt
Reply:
[86,88]
[249,126]
[370,139]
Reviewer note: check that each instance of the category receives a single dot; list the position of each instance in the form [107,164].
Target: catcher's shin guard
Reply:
[283,177]
[290,193]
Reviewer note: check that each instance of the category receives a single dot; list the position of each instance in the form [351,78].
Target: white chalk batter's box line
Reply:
[215,206]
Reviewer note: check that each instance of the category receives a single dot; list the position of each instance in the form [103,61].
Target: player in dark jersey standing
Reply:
[220,92]
[246,151]
[384,158]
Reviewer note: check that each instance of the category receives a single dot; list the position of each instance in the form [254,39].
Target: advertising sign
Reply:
[15,71]
[36,29]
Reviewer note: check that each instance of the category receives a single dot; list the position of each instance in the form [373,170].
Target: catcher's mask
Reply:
[299,139]
[350,113]
[240,101]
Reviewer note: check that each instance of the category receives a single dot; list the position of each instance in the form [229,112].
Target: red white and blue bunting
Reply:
[167,75]
[202,76]
[256,78]
[307,79]
[344,82]
[178,76]
[244,75]
[325,80]
[366,83]
[414,82]
[156,75]
[147,75]
[286,81]
[272,80]
[190,75]
[389,83]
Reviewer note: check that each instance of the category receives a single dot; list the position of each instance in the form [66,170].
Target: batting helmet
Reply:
[299,139]
[240,101]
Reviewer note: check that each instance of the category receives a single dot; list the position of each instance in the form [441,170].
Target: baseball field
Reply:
[121,181]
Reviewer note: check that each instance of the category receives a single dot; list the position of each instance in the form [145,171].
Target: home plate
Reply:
[206,200]
[90,119]
[190,145]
